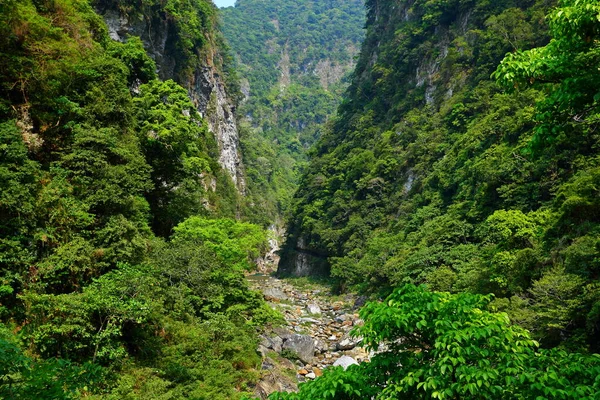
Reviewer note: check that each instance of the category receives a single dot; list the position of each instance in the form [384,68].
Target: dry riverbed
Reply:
[314,337]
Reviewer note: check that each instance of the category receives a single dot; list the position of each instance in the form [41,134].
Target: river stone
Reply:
[273,343]
[308,321]
[348,343]
[360,301]
[313,309]
[345,362]
[275,294]
[302,345]
[320,347]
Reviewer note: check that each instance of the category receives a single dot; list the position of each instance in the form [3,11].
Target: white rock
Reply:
[313,309]
[310,375]
[345,362]
[308,321]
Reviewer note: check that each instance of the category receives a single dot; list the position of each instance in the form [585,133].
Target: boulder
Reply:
[348,343]
[275,294]
[313,309]
[283,333]
[345,362]
[273,343]
[302,345]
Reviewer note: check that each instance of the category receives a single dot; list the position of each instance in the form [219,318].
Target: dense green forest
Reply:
[121,270]
[293,57]
[464,157]
[451,165]
[457,186]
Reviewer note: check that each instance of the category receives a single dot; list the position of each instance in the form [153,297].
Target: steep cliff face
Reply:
[201,74]
[300,260]
[208,93]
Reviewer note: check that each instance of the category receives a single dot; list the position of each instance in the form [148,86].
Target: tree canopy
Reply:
[434,345]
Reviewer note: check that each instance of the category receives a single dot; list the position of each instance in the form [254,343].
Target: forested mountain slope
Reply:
[434,173]
[121,266]
[459,158]
[292,59]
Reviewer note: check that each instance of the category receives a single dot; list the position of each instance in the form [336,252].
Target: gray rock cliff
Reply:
[205,85]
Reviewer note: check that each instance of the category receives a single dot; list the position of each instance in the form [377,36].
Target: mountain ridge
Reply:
[431,174]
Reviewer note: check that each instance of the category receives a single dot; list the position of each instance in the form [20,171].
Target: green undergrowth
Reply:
[443,346]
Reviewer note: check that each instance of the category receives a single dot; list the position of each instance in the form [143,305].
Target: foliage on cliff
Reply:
[99,161]
[194,24]
[292,58]
[432,173]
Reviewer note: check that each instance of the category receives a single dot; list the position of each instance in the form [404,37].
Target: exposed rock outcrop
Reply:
[285,78]
[330,73]
[205,84]
[268,263]
[275,381]
[301,260]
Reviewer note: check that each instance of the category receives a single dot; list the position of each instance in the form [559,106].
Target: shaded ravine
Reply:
[316,333]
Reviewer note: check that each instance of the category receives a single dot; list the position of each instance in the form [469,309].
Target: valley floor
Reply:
[315,335]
